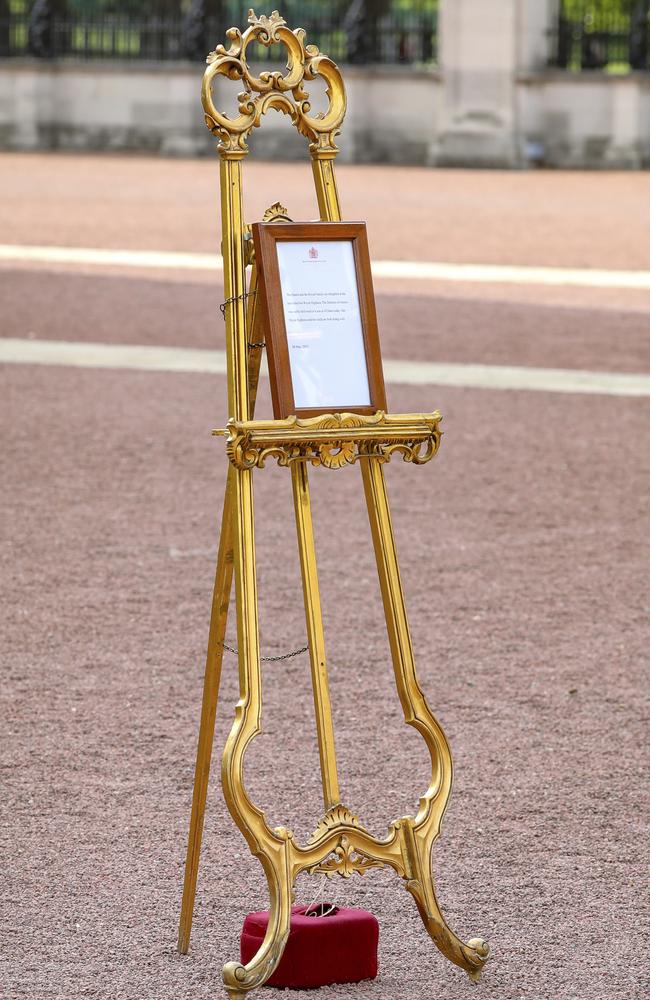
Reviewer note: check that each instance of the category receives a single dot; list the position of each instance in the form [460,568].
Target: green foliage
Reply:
[237,11]
[156,8]
[416,5]
[599,12]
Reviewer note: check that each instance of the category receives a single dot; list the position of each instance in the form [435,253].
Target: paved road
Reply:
[524,551]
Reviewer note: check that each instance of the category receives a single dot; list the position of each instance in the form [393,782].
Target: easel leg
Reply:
[320,682]
[272,847]
[214,658]
[239,979]
[470,956]
[419,835]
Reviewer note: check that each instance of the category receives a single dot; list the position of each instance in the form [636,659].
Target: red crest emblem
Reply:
[313,253]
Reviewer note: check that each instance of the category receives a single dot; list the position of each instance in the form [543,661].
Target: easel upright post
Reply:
[315,635]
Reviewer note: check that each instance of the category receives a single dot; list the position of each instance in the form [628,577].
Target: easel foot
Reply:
[239,979]
[481,951]
[234,972]
[471,955]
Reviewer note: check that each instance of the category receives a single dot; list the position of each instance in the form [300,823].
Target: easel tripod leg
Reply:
[419,835]
[214,658]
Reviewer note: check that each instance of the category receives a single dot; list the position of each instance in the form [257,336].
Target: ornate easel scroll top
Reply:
[272,89]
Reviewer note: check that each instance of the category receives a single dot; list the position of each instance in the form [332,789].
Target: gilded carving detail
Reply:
[333,440]
[276,213]
[345,860]
[338,815]
[273,89]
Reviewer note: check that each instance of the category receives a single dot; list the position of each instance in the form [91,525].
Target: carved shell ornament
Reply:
[272,89]
[336,454]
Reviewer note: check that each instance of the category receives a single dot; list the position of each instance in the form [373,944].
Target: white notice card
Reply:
[323,323]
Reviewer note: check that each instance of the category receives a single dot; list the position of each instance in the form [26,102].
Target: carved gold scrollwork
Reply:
[336,454]
[335,817]
[333,439]
[345,860]
[272,89]
[345,857]
[276,213]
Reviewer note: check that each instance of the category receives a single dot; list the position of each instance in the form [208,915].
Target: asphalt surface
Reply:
[524,553]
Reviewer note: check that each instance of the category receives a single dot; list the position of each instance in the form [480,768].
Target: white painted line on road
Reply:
[184,359]
[129,356]
[510,377]
[111,258]
[404,270]
[494,274]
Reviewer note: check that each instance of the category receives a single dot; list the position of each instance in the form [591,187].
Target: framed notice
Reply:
[321,324]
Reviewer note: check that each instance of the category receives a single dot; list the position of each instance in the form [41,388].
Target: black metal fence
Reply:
[358,32]
[610,35]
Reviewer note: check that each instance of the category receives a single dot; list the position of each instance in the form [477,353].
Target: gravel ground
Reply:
[524,553]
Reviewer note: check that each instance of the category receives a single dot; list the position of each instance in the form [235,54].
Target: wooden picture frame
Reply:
[318,304]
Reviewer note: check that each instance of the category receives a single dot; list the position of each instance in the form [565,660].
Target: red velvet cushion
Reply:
[340,948]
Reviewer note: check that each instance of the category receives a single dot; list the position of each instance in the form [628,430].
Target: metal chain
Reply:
[268,659]
[260,345]
[235,298]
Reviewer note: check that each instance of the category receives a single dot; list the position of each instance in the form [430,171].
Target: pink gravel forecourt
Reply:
[524,551]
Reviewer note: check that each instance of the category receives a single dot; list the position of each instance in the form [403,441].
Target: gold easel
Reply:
[340,845]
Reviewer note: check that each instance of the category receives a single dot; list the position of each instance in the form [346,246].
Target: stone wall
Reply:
[493,103]
[392,116]
[585,119]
